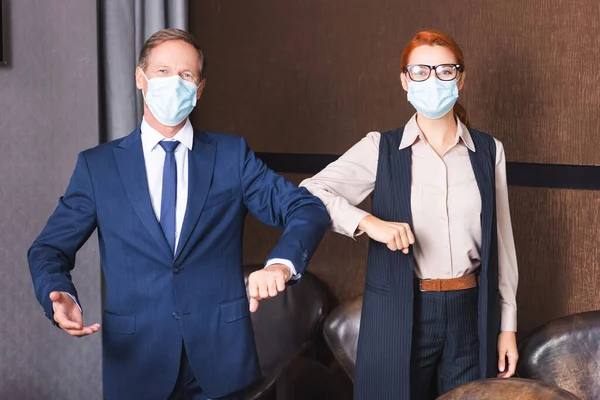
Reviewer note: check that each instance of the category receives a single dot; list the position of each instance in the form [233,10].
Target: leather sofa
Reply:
[565,353]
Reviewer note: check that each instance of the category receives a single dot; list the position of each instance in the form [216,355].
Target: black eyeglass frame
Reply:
[459,69]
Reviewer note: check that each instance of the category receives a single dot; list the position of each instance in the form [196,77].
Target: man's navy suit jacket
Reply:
[156,300]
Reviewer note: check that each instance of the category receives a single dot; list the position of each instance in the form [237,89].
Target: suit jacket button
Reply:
[176,315]
[176,270]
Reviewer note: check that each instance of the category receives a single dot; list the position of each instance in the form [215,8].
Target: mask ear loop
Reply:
[147,81]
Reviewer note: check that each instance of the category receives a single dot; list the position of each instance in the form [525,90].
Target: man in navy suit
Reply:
[169,204]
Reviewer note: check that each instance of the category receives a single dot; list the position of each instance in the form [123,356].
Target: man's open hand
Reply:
[67,315]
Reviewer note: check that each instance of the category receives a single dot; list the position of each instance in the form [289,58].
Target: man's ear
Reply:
[140,81]
[200,88]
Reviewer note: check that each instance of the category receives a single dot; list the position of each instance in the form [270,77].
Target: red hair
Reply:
[437,38]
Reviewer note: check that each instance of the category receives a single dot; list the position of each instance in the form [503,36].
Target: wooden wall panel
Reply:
[314,76]
[557,234]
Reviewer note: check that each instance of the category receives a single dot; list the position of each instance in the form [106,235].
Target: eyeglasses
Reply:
[444,72]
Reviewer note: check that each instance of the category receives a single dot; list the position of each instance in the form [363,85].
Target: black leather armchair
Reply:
[341,333]
[285,327]
[565,353]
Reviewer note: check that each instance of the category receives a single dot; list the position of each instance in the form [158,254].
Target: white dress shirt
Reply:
[154,158]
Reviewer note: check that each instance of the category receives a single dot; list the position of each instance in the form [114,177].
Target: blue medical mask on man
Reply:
[433,98]
[170,99]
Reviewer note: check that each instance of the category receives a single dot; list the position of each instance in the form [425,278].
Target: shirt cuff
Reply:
[508,319]
[349,220]
[287,263]
[75,300]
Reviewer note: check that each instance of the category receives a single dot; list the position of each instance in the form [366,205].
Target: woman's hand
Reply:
[397,235]
[507,348]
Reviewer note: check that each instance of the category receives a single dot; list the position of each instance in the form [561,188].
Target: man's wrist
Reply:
[281,267]
[291,270]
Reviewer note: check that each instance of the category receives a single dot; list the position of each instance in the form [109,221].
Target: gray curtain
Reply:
[124,27]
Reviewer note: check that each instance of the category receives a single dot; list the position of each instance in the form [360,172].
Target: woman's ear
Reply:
[461,81]
[404,81]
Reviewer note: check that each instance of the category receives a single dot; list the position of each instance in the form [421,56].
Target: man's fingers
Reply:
[65,322]
[252,287]
[84,331]
[280,284]
[272,286]
[81,332]
[263,290]
[253,304]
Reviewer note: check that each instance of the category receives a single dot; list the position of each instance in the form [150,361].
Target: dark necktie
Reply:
[169,192]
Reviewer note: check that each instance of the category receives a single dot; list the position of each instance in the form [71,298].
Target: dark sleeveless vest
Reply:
[384,345]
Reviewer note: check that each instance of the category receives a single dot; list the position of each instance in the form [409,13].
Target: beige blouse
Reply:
[446,207]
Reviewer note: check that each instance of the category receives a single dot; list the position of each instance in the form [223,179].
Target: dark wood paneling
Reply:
[557,234]
[314,76]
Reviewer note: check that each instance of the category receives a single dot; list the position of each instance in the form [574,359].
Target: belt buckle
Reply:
[421,284]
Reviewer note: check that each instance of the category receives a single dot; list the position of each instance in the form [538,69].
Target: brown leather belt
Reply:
[447,285]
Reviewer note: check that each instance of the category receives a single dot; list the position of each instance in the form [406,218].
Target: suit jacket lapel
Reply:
[201,165]
[129,156]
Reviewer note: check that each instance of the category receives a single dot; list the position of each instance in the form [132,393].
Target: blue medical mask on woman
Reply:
[170,99]
[433,98]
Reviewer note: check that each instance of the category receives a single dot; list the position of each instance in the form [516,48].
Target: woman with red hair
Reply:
[439,306]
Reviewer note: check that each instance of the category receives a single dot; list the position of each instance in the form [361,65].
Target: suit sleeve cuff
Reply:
[293,274]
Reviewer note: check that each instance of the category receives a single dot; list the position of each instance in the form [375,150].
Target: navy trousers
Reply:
[187,388]
[445,342]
